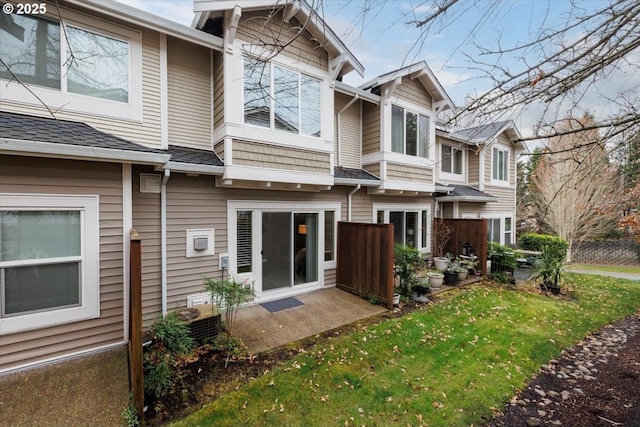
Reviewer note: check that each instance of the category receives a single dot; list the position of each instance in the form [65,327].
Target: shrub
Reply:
[170,340]
[230,295]
[406,260]
[537,242]
[549,268]
[503,258]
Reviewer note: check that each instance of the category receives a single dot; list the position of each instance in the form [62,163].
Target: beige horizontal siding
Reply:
[147,132]
[269,31]
[47,176]
[398,172]
[373,168]
[219,150]
[506,200]
[473,160]
[146,221]
[189,94]
[413,91]
[192,203]
[254,154]
[218,90]
[370,128]
[350,142]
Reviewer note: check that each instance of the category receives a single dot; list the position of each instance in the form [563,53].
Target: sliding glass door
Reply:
[289,249]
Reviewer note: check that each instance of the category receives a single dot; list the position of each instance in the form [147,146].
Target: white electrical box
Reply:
[200,243]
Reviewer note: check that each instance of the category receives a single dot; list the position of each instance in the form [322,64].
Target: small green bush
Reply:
[406,260]
[537,242]
[169,340]
[502,257]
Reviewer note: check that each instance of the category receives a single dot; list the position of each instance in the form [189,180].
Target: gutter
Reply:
[81,152]
[136,16]
[351,193]
[163,239]
[194,168]
[354,181]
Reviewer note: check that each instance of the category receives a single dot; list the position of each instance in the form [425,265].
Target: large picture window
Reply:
[282,99]
[409,132]
[452,160]
[95,65]
[48,260]
[410,227]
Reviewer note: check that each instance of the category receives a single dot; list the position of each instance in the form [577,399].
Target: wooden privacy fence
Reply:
[468,231]
[365,260]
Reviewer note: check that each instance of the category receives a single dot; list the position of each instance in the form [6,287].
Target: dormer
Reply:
[274,92]
[399,139]
[497,146]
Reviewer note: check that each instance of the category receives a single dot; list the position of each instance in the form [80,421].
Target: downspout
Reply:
[351,193]
[163,239]
[339,133]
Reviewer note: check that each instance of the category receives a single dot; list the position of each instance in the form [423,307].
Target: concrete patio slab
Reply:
[323,310]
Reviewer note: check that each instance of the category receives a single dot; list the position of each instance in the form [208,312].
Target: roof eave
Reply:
[80,152]
[473,199]
[353,181]
[194,168]
[351,90]
[139,17]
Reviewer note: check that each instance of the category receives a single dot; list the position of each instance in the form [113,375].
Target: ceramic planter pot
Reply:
[450,277]
[441,263]
[462,275]
[396,299]
[435,280]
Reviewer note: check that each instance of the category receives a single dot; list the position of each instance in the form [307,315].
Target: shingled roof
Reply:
[462,193]
[21,127]
[351,176]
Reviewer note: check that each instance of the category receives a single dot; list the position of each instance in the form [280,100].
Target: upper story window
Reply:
[452,160]
[94,64]
[409,132]
[500,162]
[281,99]
[72,65]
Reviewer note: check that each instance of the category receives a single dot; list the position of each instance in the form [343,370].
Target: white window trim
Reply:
[408,207]
[501,216]
[57,99]
[90,290]
[507,180]
[291,206]
[272,64]
[419,112]
[451,176]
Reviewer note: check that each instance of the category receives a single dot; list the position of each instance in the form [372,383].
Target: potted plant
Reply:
[441,235]
[451,274]
[435,279]
[549,269]
[462,271]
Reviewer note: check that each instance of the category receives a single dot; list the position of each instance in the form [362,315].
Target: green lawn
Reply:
[611,268]
[450,364]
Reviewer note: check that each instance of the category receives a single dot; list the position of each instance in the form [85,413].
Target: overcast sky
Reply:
[383,38]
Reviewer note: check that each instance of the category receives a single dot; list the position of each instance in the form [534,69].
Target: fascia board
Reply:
[67,151]
[139,17]
[363,182]
[351,90]
[194,168]
[466,199]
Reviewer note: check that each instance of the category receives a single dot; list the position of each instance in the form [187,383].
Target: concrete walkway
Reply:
[619,275]
[321,311]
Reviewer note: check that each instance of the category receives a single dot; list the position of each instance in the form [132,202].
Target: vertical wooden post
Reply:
[135,323]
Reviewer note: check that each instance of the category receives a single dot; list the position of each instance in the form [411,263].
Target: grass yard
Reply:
[452,364]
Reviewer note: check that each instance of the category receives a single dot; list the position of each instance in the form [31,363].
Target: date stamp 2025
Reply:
[25,8]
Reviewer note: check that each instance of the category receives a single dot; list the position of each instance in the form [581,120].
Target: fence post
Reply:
[135,323]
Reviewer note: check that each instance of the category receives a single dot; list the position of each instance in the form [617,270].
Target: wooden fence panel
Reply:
[365,260]
[468,231]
